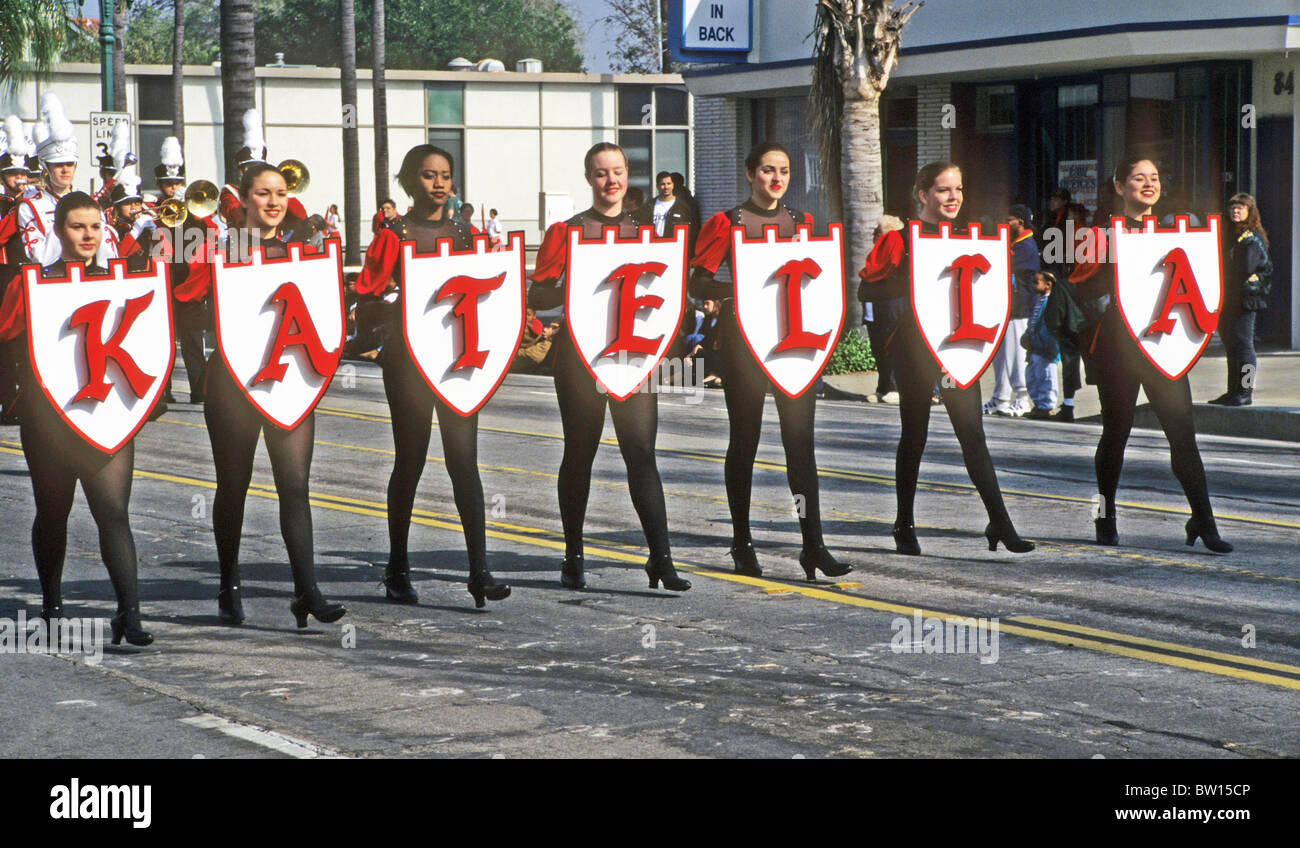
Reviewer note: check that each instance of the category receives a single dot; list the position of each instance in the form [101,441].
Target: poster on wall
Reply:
[1079,177]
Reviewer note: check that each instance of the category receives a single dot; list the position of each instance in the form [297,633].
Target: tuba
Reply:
[296,176]
[200,200]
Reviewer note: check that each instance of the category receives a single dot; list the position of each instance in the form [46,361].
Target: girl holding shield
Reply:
[1119,369]
[582,403]
[887,276]
[426,176]
[57,457]
[234,425]
[744,383]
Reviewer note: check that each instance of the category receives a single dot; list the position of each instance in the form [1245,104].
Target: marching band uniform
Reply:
[13,168]
[582,413]
[412,405]
[1119,368]
[56,460]
[887,276]
[229,206]
[745,389]
[234,425]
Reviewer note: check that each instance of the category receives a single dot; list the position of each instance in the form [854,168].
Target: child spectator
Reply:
[1043,349]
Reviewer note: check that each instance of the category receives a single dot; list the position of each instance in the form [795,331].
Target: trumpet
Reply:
[296,176]
[200,200]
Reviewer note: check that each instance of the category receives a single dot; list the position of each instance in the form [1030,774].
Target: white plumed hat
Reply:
[254,149]
[55,139]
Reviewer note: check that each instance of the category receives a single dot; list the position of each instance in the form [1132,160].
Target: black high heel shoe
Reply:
[230,609]
[1107,534]
[481,585]
[397,585]
[1208,533]
[571,576]
[314,603]
[746,560]
[52,613]
[661,569]
[905,540]
[127,624]
[1007,536]
[821,558]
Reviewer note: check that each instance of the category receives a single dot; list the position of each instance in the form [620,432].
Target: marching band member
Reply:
[13,176]
[745,386]
[230,205]
[57,458]
[234,425]
[1119,369]
[582,403]
[135,230]
[887,275]
[192,318]
[426,176]
[56,146]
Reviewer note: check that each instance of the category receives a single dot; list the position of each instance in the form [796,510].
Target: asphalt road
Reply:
[1152,649]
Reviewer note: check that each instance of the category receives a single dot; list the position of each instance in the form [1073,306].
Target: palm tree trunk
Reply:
[380,87]
[119,55]
[238,93]
[178,74]
[863,189]
[351,150]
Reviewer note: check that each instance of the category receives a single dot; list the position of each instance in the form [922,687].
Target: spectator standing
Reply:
[467,218]
[1010,394]
[1247,284]
[1044,351]
[495,240]
[332,221]
[881,317]
[669,210]
[387,212]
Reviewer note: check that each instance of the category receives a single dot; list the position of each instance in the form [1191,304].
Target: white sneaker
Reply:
[889,397]
[1022,405]
[996,406]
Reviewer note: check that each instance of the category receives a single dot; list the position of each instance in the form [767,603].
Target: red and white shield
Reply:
[1169,287]
[280,328]
[101,347]
[463,317]
[623,301]
[789,302]
[961,295]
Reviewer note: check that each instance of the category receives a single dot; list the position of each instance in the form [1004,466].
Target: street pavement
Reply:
[1150,649]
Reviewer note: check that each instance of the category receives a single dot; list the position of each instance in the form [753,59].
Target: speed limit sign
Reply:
[101,131]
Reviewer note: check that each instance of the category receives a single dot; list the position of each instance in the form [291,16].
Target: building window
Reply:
[445,102]
[995,108]
[154,98]
[654,131]
[1076,110]
[154,106]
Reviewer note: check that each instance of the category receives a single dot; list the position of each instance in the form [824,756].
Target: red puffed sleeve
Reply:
[229,207]
[198,276]
[377,222]
[553,255]
[1089,255]
[713,243]
[297,209]
[13,312]
[381,259]
[9,225]
[884,257]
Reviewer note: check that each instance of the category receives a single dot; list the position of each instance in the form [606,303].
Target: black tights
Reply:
[57,459]
[233,427]
[412,405]
[745,388]
[917,373]
[1120,369]
[636,421]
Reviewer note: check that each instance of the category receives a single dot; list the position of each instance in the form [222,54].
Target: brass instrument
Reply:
[200,200]
[296,176]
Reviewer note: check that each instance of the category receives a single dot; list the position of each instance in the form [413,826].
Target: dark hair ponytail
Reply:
[408,176]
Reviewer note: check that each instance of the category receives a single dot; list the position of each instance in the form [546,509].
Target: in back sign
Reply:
[716,25]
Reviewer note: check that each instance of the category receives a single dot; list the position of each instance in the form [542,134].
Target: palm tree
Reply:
[351,151]
[32,36]
[238,94]
[856,48]
[380,89]
[178,73]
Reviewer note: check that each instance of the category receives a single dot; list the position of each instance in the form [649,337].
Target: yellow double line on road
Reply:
[842,473]
[1039,629]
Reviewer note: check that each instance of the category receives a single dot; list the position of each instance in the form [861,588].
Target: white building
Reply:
[514,135]
[1026,96]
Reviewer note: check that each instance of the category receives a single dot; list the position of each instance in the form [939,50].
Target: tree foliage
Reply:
[34,35]
[149,30]
[639,44]
[424,34]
